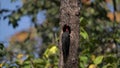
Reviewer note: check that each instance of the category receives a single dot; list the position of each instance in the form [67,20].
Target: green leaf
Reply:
[27,66]
[51,50]
[83,22]
[83,58]
[81,19]
[82,65]
[83,61]
[113,65]
[38,61]
[98,60]
[2,50]
[83,33]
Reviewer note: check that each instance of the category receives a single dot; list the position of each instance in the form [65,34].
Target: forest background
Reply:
[35,33]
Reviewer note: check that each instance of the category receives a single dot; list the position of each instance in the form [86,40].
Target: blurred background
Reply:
[29,34]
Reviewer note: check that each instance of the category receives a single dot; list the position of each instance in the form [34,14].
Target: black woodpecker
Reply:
[66,42]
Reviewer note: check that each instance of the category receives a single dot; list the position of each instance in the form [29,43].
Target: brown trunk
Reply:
[69,14]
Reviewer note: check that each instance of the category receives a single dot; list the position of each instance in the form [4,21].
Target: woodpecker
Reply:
[66,42]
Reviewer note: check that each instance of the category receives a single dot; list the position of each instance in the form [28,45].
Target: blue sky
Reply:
[7,30]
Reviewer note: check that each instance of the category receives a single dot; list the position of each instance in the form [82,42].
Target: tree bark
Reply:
[69,14]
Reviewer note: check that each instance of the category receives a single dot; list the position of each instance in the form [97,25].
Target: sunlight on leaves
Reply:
[92,66]
[84,34]
[19,56]
[51,51]
[1,64]
[98,60]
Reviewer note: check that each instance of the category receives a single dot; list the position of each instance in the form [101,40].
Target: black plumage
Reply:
[65,42]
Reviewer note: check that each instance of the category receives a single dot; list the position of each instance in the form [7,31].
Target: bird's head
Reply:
[66,28]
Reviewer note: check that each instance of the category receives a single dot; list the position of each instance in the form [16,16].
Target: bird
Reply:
[65,42]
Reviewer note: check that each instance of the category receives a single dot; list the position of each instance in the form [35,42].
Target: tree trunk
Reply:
[69,14]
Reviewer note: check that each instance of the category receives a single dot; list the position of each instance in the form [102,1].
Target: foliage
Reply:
[2,50]
[100,36]
[26,61]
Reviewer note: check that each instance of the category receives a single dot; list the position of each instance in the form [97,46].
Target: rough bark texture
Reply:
[69,14]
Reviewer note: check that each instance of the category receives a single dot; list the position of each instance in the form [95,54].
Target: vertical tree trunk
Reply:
[69,14]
